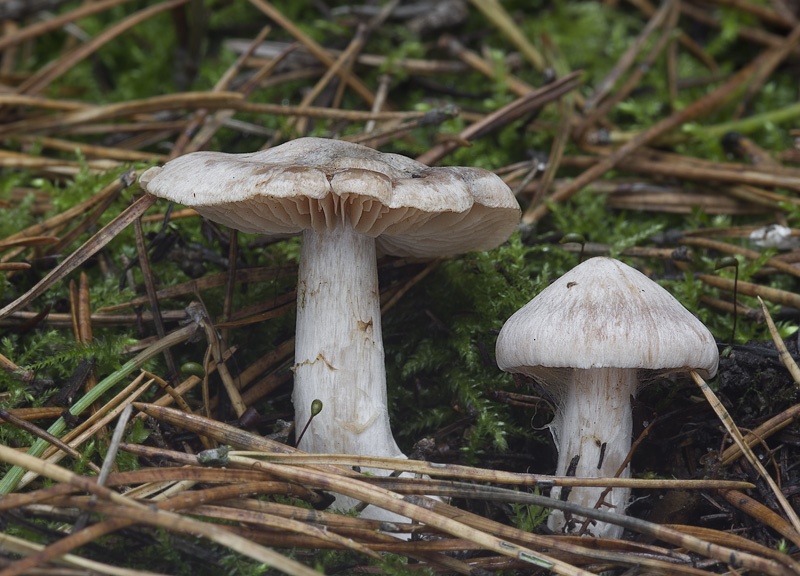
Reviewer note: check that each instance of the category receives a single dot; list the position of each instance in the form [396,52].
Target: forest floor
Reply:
[665,136]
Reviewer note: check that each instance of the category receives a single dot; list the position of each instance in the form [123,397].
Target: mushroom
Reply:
[588,339]
[349,202]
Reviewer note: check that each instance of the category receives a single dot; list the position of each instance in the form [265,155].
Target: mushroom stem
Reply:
[594,424]
[339,355]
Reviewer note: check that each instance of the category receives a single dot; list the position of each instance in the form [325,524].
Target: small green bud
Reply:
[725,262]
[193,369]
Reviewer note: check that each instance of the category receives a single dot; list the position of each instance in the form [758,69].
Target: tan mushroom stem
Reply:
[592,432]
[339,356]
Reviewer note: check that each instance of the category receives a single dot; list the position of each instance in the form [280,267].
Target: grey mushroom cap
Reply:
[605,314]
[411,209]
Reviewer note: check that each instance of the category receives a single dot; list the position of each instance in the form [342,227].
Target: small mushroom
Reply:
[588,339]
[349,202]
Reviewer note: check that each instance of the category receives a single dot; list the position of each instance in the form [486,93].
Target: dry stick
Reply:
[73,309]
[419,509]
[243,276]
[55,22]
[343,66]
[416,508]
[41,79]
[762,514]
[109,194]
[764,431]
[188,384]
[318,51]
[143,513]
[235,436]
[474,61]
[765,13]
[317,112]
[570,546]
[15,371]
[170,391]
[13,476]
[435,469]
[364,33]
[670,11]
[59,474]
[377,138]
[284,524]
[730,426]
[628,58]
[51,166]
[105,152]
[774,564]
[32,241]
[765,71]
[81,537]
[336,68]
[495,12]
[409,284]
[150,289]
[729,539]
[22,547]
[701,106]
[775,295]
[81,433]
[9,57]
[675,166]
[695,48]
[750,34]
[108,461]
[230,284]
[65,319]
[566,109]
[52,123]
[783,353]
[14,266]
[272,305]
[384,81]
[745,148]
[223,433]
[219,118]
[83,253]
[215,345]
[759,196]
[58,220]
[746,125]
[84,328]
[733,249]
[224,81]
[506,114]
[424,555]
[37,432]
[673,78]
[739,309]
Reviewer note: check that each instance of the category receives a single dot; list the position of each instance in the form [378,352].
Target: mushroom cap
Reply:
[411,209]
[605,314]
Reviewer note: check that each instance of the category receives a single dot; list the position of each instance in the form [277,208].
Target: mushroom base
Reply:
[592,432]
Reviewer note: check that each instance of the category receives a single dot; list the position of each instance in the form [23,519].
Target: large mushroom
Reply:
[348,201]
[588,339]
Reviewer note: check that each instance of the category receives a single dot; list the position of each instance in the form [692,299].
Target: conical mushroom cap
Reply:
[605,314]
[412,210]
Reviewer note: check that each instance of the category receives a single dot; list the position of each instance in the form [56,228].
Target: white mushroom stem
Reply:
[594,423]
[339,355]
